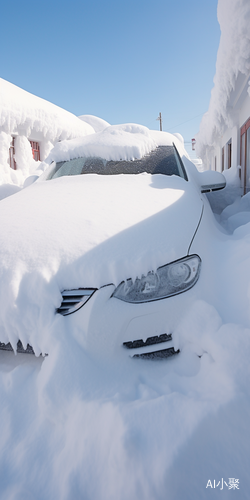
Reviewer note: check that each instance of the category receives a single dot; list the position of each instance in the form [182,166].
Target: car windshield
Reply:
[163,160]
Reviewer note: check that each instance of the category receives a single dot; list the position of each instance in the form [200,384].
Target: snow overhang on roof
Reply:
[98,124]
[22,113]
[232,73]
[239,92]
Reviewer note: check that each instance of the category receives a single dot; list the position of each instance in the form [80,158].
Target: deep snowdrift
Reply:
[76,425]
[61,249]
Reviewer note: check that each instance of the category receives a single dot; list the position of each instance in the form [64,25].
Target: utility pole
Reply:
[160,120]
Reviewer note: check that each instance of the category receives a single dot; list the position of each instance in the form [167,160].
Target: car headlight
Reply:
[168,280]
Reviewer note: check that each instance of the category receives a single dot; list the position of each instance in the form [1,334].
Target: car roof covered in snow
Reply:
[117,142]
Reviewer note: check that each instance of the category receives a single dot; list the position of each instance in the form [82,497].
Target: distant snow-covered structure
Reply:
[223,140]
[29,128]
[98,124]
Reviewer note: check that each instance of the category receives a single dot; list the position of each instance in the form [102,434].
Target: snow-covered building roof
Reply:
[29,124]
[23,113]
[229,107]
[98,124]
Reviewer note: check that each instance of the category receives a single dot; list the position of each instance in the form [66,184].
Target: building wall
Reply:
[244,111]
[222,155]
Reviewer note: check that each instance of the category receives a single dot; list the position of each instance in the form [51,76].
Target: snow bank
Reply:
[237,214]
[8,189]
[230,193]
[233,58]
[77,426]
[26,165]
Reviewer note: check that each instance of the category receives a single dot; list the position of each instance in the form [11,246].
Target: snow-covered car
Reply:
[106,245]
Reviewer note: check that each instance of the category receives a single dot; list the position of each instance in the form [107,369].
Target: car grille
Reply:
[151,341]
[19,348]
[165,353]
[72,300]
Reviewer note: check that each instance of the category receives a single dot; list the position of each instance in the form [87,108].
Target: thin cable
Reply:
[171,128]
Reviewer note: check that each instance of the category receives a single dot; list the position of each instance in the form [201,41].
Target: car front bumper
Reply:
[106,325]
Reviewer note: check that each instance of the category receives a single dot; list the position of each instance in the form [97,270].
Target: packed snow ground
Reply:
[85,427]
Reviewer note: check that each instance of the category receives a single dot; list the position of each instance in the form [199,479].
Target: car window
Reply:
[163,160]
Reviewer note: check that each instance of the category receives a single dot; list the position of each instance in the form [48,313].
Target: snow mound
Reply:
[231,193]
[116,142]
[8,189]
[98,124]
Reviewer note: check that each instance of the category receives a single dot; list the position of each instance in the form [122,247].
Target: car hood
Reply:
[88,231]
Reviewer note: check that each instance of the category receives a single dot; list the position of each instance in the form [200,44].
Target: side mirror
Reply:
[211,181]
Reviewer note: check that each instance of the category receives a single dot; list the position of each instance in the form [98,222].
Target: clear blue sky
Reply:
[124,61]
